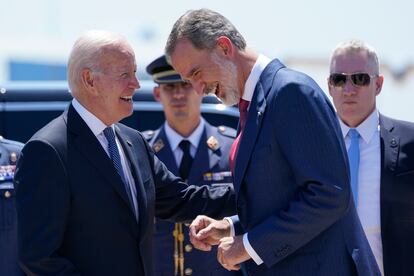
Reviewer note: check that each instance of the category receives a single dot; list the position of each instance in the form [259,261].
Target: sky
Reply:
[300,33]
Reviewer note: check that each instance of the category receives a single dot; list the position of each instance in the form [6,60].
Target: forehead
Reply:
[186,57]
[349,62]
[117,57]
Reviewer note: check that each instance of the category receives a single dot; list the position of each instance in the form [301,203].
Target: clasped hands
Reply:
[206,232]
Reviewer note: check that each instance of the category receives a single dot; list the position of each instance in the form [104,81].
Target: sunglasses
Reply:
[357,79]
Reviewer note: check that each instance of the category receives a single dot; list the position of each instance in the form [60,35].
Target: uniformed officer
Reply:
[198,152]
[9,152]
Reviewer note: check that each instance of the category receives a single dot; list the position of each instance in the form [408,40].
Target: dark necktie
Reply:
[353,157]
[187,159]
[116,160]
[243,105]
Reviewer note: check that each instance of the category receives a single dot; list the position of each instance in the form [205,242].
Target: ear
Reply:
[378,84]
[156,91]
[87,79]
[225,46]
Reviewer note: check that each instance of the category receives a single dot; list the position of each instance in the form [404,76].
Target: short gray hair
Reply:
[357,46]
[202,28]
[86,53]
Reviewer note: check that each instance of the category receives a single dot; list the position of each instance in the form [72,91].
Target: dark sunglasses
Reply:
[357,79]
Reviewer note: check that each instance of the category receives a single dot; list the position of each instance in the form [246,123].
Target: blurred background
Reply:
[36,36]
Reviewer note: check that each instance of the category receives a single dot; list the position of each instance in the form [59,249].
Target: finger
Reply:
[200,245]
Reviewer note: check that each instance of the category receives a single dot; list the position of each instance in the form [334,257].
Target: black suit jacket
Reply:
[397,196]
[74,214]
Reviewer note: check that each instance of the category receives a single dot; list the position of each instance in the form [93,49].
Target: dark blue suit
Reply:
[397,193]
[210,167]
[9,151]
[292,183]
[75,217]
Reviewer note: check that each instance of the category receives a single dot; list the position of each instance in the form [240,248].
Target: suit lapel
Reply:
[249,135]
[201,161]
[86,142]
[165,153]
[254,120]
[390,146]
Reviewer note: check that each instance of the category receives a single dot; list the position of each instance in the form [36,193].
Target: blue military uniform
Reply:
[210,167]
[9,152]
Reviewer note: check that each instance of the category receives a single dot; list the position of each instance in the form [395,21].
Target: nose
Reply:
[134,83]
[199,86]
[178,92]
[348,87]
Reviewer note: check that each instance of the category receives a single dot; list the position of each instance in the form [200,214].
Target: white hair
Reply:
[86,52]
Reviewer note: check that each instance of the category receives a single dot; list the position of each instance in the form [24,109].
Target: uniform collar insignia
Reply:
[158,145]
[212,143]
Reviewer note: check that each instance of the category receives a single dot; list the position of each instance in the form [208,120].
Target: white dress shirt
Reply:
[97,127]
[251,82]
[369,179]
[174,139]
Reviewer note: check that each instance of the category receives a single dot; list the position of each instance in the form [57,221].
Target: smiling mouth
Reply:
[127,99]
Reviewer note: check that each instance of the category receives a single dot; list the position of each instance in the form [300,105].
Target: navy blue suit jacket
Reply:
[210,167]
[292,183]
[397,193]
[74,214]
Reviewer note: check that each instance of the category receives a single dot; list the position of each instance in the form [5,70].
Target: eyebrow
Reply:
[192,71]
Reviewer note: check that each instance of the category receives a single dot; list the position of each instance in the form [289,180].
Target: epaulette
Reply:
[227,131]
[148,134]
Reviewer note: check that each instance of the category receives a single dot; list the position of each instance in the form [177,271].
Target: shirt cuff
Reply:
[232,233]
[251,251]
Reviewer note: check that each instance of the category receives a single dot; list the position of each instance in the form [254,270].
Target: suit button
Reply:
[188,271]
[188,248]
[7,194]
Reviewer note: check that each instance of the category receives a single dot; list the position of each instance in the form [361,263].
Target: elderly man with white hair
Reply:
[88,187]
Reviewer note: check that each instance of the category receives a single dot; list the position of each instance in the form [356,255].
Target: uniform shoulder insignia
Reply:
[148,134]
[227,131]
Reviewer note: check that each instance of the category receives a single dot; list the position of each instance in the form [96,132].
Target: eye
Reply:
[196,75]
[186,85]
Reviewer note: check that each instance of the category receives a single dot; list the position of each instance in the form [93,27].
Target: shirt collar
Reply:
[260,64]
[366,129]
[96,125]
[174,138]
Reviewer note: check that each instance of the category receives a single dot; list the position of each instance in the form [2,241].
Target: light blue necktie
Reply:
[353,157]
[116,160]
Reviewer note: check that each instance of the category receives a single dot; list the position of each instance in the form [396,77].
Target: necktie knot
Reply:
[353,133]
[185,145]
[109,135]
[243,105]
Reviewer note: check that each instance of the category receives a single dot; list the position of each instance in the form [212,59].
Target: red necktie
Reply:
[243,105]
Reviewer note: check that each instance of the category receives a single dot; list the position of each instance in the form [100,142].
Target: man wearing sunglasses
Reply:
[380,152]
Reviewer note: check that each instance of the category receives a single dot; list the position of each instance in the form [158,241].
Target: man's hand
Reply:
[231,252]
[205,232]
